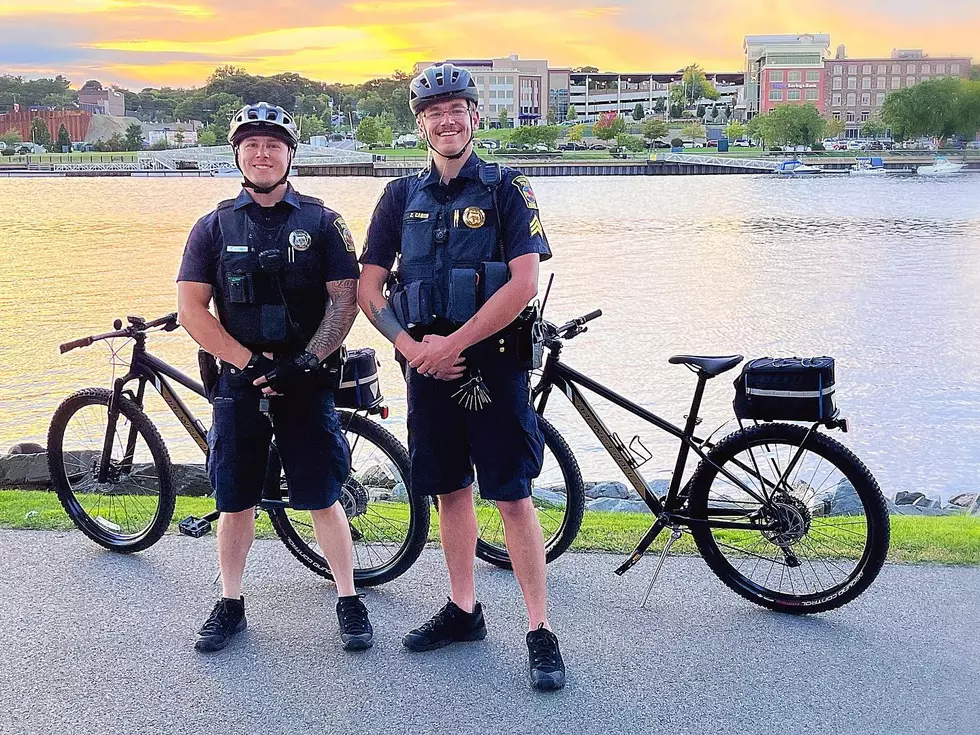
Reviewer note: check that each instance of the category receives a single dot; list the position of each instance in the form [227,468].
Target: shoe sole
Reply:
[205,645]
[359,643]
[477,635]
[548,682]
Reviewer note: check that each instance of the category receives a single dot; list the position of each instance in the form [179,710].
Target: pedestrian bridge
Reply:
[694,159]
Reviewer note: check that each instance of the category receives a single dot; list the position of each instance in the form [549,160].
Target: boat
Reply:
[942,166]
[796,167]
[864,166]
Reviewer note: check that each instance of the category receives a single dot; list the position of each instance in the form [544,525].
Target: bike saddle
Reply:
[711,365]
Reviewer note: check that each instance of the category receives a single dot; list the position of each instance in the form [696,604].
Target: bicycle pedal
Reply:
[194,527]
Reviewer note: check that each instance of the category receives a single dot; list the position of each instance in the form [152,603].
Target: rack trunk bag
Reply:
[787,389]
[360,384]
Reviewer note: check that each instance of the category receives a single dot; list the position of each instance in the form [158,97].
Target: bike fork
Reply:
[675,534]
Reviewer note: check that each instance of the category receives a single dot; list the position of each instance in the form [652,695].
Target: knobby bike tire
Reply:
[418,508]
[98,528]
[563,536]
[873,547]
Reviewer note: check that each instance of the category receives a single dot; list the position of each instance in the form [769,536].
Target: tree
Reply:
[654,128]
[11,137]
[632,143]
[694,131]
[222,121]
[609,126]
[638,113]
[760,128]
[387,136]
[134,137]
[660,105]
[789,124]
[699,114]
[64,139]
[873,127]
[696,85]
[975,73]
[575,132]
[40,133]
[938,108]
[205,138]
[734,130]
[178,138]
[572,113]
[309,126]
[503,118]
[550,119]
[369,131]
[833,128]
[678,101]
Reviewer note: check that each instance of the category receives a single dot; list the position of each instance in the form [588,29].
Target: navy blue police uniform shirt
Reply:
[332,240]
[518,217]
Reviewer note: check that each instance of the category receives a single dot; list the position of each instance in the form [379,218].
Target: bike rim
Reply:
[821,537]
[125,507]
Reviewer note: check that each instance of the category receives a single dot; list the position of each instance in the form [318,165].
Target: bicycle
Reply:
[113,475]
[757,498]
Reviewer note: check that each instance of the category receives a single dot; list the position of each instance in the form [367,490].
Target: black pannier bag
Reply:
[360,385]
[787,389]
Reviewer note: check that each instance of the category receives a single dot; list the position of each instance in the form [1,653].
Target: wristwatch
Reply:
[306,360]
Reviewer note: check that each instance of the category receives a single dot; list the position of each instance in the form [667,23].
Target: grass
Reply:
[953,540]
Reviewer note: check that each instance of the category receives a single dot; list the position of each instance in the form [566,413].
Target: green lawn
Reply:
[914,539]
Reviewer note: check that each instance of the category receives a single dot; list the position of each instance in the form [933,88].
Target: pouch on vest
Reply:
[495,275]
[240,288]
[412,304]
[462,295]
[272,322]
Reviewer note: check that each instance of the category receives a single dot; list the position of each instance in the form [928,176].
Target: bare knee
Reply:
[516,511]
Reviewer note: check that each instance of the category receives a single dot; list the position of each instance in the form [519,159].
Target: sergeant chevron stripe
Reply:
[536,228]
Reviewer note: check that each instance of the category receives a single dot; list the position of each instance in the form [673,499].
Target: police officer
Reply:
[468,240]
[281,269]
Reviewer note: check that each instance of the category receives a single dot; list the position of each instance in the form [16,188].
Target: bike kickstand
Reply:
[674,535]
[216,577]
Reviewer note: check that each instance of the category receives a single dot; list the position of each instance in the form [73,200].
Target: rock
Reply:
[560,489]
[24,470]
[915,510]
[556,499]
[399,492]
[27,448]
[376,476]
[905,498]
[192,480]
[925,502]
[608,490]
[964,500]
[384,495]
[614,505]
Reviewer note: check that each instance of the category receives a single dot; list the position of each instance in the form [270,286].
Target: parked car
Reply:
[742,143]
[597,147]
[571,145]
[712,144]
[661,144]
[488,143]
[875,145]
[855,145]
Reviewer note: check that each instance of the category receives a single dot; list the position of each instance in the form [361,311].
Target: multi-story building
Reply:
[525,88]
[855,89]
[593,94]
[781,69]
[102,102]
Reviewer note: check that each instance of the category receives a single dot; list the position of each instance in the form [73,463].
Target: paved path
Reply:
[92,642]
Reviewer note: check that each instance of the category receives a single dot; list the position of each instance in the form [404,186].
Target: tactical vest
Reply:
[270,291]
[451,257]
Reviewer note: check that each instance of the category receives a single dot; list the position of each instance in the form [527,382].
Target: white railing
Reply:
[694,159]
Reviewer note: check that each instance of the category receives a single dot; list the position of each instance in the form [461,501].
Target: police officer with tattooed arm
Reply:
[468,241]
[281,269]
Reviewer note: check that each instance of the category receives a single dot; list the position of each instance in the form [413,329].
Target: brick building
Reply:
[76,121]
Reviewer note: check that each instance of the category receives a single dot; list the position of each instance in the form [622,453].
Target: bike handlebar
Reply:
[137,325]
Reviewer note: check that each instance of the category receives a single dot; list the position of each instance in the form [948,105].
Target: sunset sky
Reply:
[138,43]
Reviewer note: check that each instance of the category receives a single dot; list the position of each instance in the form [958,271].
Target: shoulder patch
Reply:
[524,187]
[344,231]
[536,228]
[306,199]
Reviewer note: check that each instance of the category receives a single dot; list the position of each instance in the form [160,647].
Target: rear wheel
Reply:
[131,510]
[558,494]
[823,527]
[389,524]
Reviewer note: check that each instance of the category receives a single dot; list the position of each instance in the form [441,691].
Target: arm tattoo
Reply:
[337,319]
[386,322]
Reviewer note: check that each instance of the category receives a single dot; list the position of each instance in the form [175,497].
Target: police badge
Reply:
[300,240]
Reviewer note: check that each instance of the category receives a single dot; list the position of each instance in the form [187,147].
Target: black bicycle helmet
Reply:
[441,82]
[263,119]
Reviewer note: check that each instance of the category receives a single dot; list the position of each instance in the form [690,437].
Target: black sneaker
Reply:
[226,619]
[449,625]
[547,668]
[355,628]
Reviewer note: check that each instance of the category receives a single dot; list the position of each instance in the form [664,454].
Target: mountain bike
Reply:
[112,471]
[785,515]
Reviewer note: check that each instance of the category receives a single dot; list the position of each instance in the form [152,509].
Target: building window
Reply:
[793,95]
[865,82]
[910,69]
[775,95]
[926,69]
[924,79]
[882,69]
[850,116]
[836,114]
[852,83]
[940,68]
[813,94]
[880,84]
[776,75]
[866,69]
[852,68]
[838,83]
[865,98]
[954,69]
[795,76]
[865,115]
[813,76]
[836,99]
[896,82]
[909,81]
[879,99]
[851,99]
[838,68]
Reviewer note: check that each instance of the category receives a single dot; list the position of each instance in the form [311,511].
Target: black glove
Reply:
[256,367]
[289,375]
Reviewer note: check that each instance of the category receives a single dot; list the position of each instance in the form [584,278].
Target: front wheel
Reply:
[558,495]
[389,524]
[820,527]
[131,510]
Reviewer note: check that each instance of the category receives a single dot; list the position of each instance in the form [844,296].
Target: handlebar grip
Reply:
[590,316]
[83,342]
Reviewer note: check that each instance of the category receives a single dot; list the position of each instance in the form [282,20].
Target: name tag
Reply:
[418,215]
[237,248]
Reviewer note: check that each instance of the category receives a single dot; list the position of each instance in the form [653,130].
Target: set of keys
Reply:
[473,394]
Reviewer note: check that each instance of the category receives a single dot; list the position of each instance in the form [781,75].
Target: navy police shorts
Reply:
[446,440]
[314,453]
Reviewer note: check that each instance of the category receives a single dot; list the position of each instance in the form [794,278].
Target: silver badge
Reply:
[300,240]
